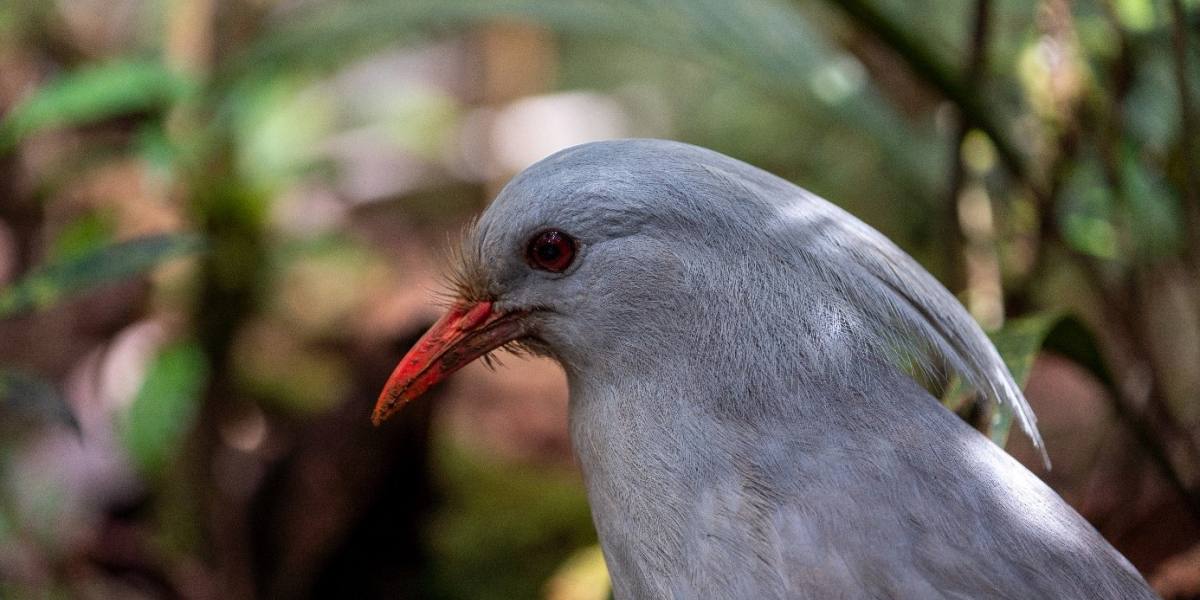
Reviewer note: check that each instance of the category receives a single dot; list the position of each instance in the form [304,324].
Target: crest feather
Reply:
[909,312]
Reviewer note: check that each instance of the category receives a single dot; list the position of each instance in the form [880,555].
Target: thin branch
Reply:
[1150,428]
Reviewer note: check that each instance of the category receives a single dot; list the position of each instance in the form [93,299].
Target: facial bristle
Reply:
[467,278]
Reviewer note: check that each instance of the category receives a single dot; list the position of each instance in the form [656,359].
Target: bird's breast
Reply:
[680,502]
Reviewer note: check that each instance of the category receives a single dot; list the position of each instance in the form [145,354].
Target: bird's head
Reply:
[629,253]
[581,248]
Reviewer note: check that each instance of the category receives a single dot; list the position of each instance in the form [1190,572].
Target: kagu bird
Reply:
[730,343]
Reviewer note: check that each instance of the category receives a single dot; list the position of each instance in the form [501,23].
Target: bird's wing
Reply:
[921,506]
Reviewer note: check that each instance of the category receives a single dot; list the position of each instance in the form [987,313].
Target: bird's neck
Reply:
[681,481]
[687,440]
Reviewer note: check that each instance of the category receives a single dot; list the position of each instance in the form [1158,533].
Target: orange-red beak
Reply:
[469,330]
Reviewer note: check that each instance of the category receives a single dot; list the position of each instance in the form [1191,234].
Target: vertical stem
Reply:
[1187,131]
[225,298]
[20,213]
[955,240]
[1149,417]
[1120,77]
[189,35]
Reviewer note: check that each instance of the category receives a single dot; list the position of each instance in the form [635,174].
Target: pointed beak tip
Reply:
[389,402]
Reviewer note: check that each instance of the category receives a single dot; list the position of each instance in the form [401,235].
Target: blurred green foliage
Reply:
[165,407]
[1051,144]
[81,262]
[51,283]
[32,396]
[93,93]
[502,529]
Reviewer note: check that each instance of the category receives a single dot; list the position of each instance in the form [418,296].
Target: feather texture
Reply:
[910,312]
[729,341]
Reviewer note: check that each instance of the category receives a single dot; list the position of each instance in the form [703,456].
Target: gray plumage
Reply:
[730,343]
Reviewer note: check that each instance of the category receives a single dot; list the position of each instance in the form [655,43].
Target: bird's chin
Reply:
[531,346]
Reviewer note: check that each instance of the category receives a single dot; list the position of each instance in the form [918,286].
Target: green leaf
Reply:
[29,394]
[1018,343]
[999,425]
[51,283]
[1020,340]
[1086,212]
[1155,218]
[85,234]
[166,404]
[93,93]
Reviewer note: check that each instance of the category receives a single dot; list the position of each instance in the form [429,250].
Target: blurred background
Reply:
[222,223]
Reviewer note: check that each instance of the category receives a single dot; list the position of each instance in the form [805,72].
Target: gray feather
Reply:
[909,309]
[730,341]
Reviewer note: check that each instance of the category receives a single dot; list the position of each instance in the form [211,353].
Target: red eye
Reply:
[551,251]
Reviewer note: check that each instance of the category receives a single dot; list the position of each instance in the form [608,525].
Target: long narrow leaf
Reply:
[91,94]
[1021,339]
[1019,343]
[52,283]
[33,396]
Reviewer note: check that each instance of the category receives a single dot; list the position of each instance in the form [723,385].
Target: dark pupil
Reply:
[549,251]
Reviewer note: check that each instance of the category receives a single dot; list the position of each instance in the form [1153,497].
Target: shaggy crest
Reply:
[911,315]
